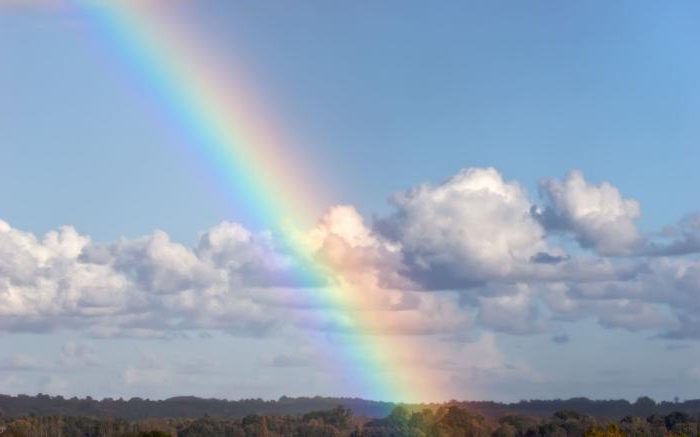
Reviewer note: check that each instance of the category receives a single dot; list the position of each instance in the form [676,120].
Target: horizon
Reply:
[284,397]
[389,201]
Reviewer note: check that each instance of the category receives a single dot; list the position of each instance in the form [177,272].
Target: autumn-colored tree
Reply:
[611,430]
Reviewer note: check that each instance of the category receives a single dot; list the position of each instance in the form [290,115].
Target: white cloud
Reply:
[471,228]
[597,215]
[233,280]
[515,311]
[680,239]
[472,240]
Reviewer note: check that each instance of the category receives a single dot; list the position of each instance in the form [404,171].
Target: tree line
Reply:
[193,407]
[449,420]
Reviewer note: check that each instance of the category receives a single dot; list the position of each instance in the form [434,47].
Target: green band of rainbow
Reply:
[255,169]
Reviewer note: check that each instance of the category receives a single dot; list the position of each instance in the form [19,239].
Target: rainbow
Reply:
[242,147]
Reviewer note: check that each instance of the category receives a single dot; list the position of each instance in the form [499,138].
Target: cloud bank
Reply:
[473,252]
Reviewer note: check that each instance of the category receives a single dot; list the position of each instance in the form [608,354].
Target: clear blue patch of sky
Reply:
[384,96]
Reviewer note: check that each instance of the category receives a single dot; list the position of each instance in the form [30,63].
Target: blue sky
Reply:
[381,98]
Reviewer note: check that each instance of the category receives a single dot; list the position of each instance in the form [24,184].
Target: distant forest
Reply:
[193,407]
[40,416]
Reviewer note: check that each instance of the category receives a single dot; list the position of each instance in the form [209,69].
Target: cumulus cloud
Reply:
[251,259]
[597,215]
[472,252]
[515,311]
[232,280]
[470,229]
[680,239]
